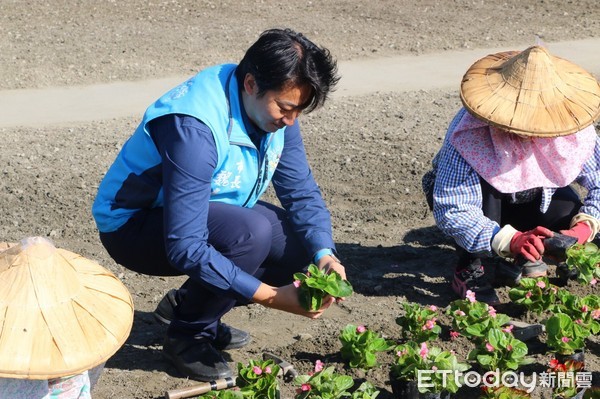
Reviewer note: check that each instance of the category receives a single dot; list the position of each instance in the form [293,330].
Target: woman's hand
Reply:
[286,298]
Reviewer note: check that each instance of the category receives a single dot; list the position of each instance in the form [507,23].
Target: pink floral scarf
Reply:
[512,164]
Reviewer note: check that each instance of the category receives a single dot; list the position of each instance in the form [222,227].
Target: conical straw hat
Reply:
[60,313]
[531,93]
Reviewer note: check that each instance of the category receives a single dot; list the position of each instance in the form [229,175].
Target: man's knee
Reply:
[248,238]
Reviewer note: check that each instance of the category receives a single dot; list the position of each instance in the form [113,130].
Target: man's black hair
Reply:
[282,57]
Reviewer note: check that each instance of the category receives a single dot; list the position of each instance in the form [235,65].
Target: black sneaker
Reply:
[197,359]
[227,337]
[230,337]
[473,279]
[165,311]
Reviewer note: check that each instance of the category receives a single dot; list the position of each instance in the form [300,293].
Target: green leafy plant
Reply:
[366,390]
[564,336]
[225,394]
[255,380]
[503,392]
[592,393]
[536,294]
[474,319]
[324,383]
[584,258]
[566,370]
[314,285]
[419,323]
[583,311]
[500,350]
[360,346]
[429,363]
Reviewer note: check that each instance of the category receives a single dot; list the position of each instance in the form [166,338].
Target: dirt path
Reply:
[359,77]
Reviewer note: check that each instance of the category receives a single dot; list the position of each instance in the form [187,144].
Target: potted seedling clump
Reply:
[316,284]
[360,346]
[499,350]
[566,337]
[421,371]
[535,294]
[419,323]
[473,319]
[582,263]
[565,375]
[255,380]
[323,383]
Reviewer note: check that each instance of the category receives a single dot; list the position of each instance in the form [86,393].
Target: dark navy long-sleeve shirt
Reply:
[189,156]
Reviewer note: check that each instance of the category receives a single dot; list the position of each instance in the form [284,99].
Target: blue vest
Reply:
[243,172]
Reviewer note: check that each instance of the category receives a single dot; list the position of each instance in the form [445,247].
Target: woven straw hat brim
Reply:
[531,93]
[60,313]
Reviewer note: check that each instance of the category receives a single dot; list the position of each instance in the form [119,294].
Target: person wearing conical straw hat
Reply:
[61,317]
[501,183]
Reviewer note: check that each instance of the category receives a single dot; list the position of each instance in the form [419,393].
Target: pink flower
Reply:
[257,370]
[565,339]
[596,314]
[489,347]
[528,295]
[305,387]
[318,366]
[470,296]
[424,351]
[578,321]
[433,308]
[508,328]
[268,370]
[361,329]
[434,368]
[509,347]
[429,324]
[459,313]
[584,309]
[541,284]
[593,281]
[454,335]
[492,311]
[297,283]
[401,353]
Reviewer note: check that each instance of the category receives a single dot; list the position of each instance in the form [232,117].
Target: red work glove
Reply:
[581,231]
[529,244]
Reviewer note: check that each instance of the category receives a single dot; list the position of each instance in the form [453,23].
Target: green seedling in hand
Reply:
[316,284]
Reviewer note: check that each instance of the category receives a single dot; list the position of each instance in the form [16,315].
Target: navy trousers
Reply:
[258,240]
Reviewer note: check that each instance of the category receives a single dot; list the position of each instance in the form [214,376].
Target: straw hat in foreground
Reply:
[531,93]
[60,313]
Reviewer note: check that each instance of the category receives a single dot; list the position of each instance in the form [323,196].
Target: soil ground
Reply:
[368,153]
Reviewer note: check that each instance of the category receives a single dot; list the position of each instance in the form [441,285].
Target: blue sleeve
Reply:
[457,203]
[589,178]
[300,196]
[189,157]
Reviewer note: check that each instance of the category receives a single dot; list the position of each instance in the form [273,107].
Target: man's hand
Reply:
[286,298]
[329,263]
[529,244]
[582,231]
